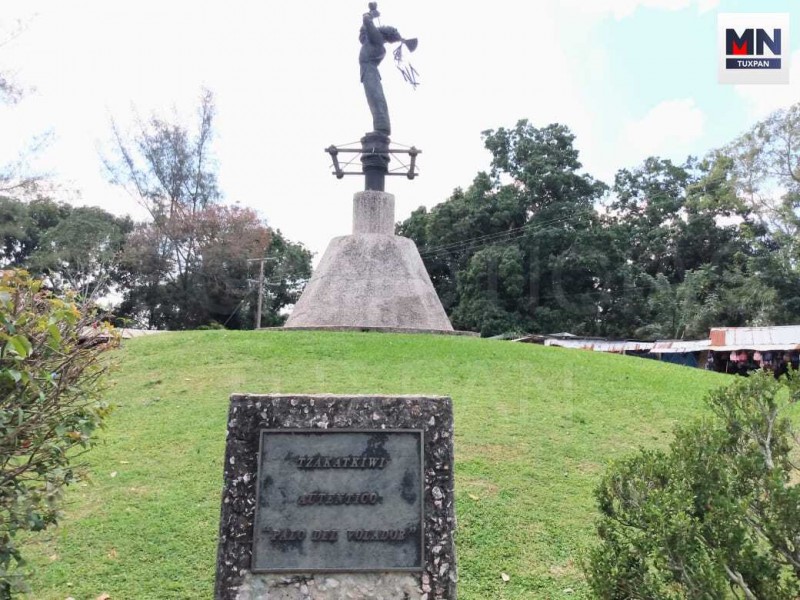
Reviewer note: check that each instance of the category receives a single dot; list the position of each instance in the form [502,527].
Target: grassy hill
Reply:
[535,428]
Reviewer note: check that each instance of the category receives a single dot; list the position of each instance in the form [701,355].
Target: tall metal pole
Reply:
[260,292]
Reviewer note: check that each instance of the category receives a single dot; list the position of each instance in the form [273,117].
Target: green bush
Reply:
[50,407]
[717,516]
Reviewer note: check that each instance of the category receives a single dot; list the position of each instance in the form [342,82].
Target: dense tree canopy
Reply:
[667,251]
[76,248]
[501,252]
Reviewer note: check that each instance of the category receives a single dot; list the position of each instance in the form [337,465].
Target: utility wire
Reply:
[235,310]
[491,238]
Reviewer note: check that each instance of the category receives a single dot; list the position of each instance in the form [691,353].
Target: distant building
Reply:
[689,353]
[741,350]
[764,339]
[597,344]
[728,349]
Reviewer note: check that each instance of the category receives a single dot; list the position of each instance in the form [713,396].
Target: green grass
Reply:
[535,427]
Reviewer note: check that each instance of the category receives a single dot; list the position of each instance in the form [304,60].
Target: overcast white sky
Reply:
[630,77]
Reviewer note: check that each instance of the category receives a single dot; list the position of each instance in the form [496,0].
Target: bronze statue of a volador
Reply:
[372,40]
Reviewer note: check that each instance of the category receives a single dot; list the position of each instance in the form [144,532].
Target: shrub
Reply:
[50,407]
[717,516]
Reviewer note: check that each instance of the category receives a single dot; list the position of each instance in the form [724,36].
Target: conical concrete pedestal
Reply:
[372,279]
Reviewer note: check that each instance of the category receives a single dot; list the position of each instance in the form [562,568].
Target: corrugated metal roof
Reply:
[679,346]
[539,338]
[785,337]
[601,345]
[531,339]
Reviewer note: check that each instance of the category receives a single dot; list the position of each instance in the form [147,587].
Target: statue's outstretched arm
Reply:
[373,34]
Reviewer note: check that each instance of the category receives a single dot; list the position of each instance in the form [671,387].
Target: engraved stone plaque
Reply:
[338,500]
[323,495]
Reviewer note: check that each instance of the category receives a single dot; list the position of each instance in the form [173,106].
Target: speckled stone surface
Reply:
[370,280]
[373,212]
[250,413]
[340,586]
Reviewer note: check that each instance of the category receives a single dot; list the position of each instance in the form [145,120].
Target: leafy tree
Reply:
[188,266]
[16,231]
[50,407]
[491,287]
[144,270]
[74,247]
[543,164]
[685,239]
[81,252]
[497,251]
[226,238]
[716,515]
[678,218]
[452,231]
[171,173]
[716,224]
[705,297]
[674,250]
[766,163]
[648,205]
[286,271]
[684,310]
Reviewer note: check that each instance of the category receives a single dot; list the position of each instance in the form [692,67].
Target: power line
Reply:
[235,310]
[499,234]
[491,238]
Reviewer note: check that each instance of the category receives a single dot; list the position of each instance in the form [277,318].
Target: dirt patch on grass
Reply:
[588,467]
[81,505]
[477,488]
[492,452]
[567,569]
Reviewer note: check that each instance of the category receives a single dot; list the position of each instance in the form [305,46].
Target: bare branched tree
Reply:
[16,177]
[171,173]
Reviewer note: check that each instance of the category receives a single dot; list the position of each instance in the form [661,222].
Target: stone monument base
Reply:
[331,586]
[377,329]
[372,279]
